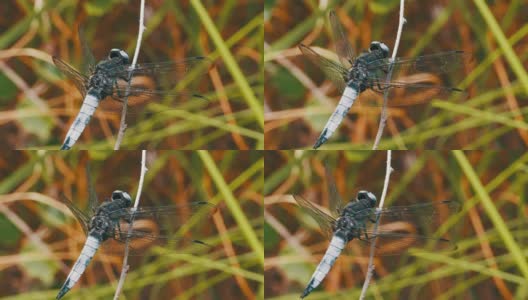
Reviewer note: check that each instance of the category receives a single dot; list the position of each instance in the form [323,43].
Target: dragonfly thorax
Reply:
[348,227]
[364,200]
[100,85]
[107,72]
[101,226]
[358,75]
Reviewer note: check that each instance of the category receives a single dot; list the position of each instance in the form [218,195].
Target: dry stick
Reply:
[370,269]
[122,124]
[383,117]
[124,270]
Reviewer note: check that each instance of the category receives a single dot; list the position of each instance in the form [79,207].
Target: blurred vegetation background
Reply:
[38,103]
[491,261]
[299,99]
[40,239]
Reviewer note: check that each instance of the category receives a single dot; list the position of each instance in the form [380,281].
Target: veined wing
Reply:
[140,95]
[78,79]
[390,243]
[406,93]
[438,63]
[83,218]
[140,240]
[343,48]
[176,213]
[169,71]
[154,82]
[325,221]
[417,214]
[336,202]
[92,195]
[333,70]
[157,226]
[87,54]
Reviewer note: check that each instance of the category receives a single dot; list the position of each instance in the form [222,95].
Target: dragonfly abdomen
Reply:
[345,103]
[87,253]
[88,107]
[334,250]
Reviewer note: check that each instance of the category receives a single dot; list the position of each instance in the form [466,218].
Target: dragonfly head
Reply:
[379,46]
[122,196]
[367,196]
[119,54]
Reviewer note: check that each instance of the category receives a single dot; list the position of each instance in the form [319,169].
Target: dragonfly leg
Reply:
[117,90]
[363,229]
[127,218]
[366,235]
[119,228]
[380,87]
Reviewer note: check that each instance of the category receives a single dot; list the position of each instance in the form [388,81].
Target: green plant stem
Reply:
[492,212]
[230,62]
[233,205]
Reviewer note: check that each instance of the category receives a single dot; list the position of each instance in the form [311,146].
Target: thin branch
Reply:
[370,269]
[126,267]
[383,117]
[122,124]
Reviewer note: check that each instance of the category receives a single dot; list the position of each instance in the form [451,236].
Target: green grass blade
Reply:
[233,205]
[510,55]
[492,212]
[230,62]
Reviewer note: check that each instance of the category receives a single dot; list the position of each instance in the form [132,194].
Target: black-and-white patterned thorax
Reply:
[359,76]
[107,72]
[351,222]
[103,224]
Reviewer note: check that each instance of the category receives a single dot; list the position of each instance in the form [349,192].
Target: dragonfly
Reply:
[112,220]
[365,77]
[357,221]
[114,78]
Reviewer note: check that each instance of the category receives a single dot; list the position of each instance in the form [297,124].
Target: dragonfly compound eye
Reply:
[118,53]
[120,195]
[375,45]
[366,195]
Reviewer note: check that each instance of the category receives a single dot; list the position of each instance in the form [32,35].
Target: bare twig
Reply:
[370,269]
[124,270]
[122,124]
[383,117]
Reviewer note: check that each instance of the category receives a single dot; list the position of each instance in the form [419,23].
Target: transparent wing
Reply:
[176,214]
[140,240]
[87,55]
[92,195]
[336,202]
[404,227]
[169,72]
[438,63]
[157,226]
[343,48]
[325,221]
[78,79]
[83,219]
[413,81]
[406,93]
[429,212]
[141,96]
[154,82]
[333,70]
[149,236]
[392,243]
